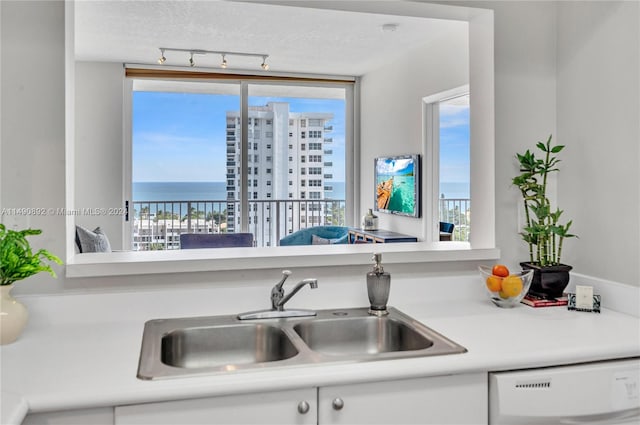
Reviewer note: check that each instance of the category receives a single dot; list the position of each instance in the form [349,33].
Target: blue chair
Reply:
[334,234]
[446,231]
[215,240]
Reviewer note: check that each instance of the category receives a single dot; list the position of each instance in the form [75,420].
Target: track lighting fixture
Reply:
[264,65]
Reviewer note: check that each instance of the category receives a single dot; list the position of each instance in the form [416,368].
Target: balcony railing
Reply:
[157,225]
[458,212]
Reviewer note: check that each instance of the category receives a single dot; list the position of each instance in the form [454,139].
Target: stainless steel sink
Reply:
[208,345]
[361,335]
[221,346]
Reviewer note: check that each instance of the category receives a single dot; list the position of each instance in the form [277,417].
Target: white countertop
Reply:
[62,363]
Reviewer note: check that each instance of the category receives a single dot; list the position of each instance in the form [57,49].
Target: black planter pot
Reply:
[549,281]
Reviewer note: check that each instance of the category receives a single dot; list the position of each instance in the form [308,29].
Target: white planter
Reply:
[13,316]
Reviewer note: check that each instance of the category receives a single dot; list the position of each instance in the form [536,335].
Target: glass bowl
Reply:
[508,291]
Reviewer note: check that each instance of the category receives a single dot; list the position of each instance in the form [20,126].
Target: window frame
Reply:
[348,84]
[482,243]
[431,121]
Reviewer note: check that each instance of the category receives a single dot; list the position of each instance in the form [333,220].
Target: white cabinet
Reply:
[277,407]
[453,399]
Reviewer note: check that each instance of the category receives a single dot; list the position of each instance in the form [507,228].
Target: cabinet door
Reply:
[455,399]
[276,407]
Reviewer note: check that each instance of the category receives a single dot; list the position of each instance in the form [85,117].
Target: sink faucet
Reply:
[278,300]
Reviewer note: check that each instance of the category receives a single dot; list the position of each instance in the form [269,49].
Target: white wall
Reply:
[525,33]
[525,108]
[99,146]
[598,102]
[33,124]
[524,103]
[391,111]
[571,69]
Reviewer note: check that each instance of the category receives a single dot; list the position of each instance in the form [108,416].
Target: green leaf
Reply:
[543,227]
[17,260]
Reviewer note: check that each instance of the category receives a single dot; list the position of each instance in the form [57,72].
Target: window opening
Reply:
[182,164]
[454,203]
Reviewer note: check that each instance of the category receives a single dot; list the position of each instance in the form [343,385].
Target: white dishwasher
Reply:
[592,393]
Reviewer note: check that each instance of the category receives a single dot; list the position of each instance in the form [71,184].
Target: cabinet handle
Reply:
[303,407]
[337,403]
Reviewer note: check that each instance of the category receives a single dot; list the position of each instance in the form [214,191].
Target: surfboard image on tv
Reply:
[397,181]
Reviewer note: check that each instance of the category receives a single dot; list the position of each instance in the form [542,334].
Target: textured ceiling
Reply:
[297,39]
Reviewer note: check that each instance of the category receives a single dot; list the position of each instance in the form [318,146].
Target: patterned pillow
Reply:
[92,241]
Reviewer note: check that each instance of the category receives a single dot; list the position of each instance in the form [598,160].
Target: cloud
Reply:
[452,116]
[164,138]
[392,166]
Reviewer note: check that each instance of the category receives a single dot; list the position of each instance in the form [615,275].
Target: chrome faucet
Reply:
[279,299]
[277,293]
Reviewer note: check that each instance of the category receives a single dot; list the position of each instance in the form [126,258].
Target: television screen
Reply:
[397,181]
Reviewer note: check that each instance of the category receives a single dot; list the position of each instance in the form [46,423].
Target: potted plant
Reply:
[543,231]
[18,262]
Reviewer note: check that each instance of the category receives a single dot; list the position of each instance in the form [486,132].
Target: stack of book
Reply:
[536,301]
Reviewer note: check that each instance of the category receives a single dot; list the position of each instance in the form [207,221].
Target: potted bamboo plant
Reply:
[18,262]
[543,231]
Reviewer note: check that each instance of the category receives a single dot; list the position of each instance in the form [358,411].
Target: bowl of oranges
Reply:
[506,289]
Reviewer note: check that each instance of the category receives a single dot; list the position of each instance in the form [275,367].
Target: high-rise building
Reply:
[287,161]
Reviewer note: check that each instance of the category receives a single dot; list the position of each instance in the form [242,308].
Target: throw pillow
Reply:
[92,241]
[317,240]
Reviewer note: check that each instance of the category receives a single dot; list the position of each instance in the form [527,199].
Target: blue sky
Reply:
[454,143]
[181,137]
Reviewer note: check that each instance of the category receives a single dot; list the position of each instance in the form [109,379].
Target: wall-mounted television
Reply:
[397,184]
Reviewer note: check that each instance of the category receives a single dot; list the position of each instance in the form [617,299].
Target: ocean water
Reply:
[198,191]
[213,191]
[402,196]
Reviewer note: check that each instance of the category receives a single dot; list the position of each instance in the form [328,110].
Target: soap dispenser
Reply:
[378,285]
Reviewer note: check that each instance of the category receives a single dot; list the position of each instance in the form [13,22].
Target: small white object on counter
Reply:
[584,297]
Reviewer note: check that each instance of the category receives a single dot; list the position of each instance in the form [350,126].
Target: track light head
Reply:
[224,64]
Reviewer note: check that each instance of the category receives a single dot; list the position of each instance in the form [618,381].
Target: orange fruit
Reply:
[511,287]
[500,270]
[494,283]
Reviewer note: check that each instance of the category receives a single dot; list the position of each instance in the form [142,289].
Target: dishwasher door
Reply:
[591,393]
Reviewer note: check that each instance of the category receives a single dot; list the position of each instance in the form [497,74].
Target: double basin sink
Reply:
[207,345]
